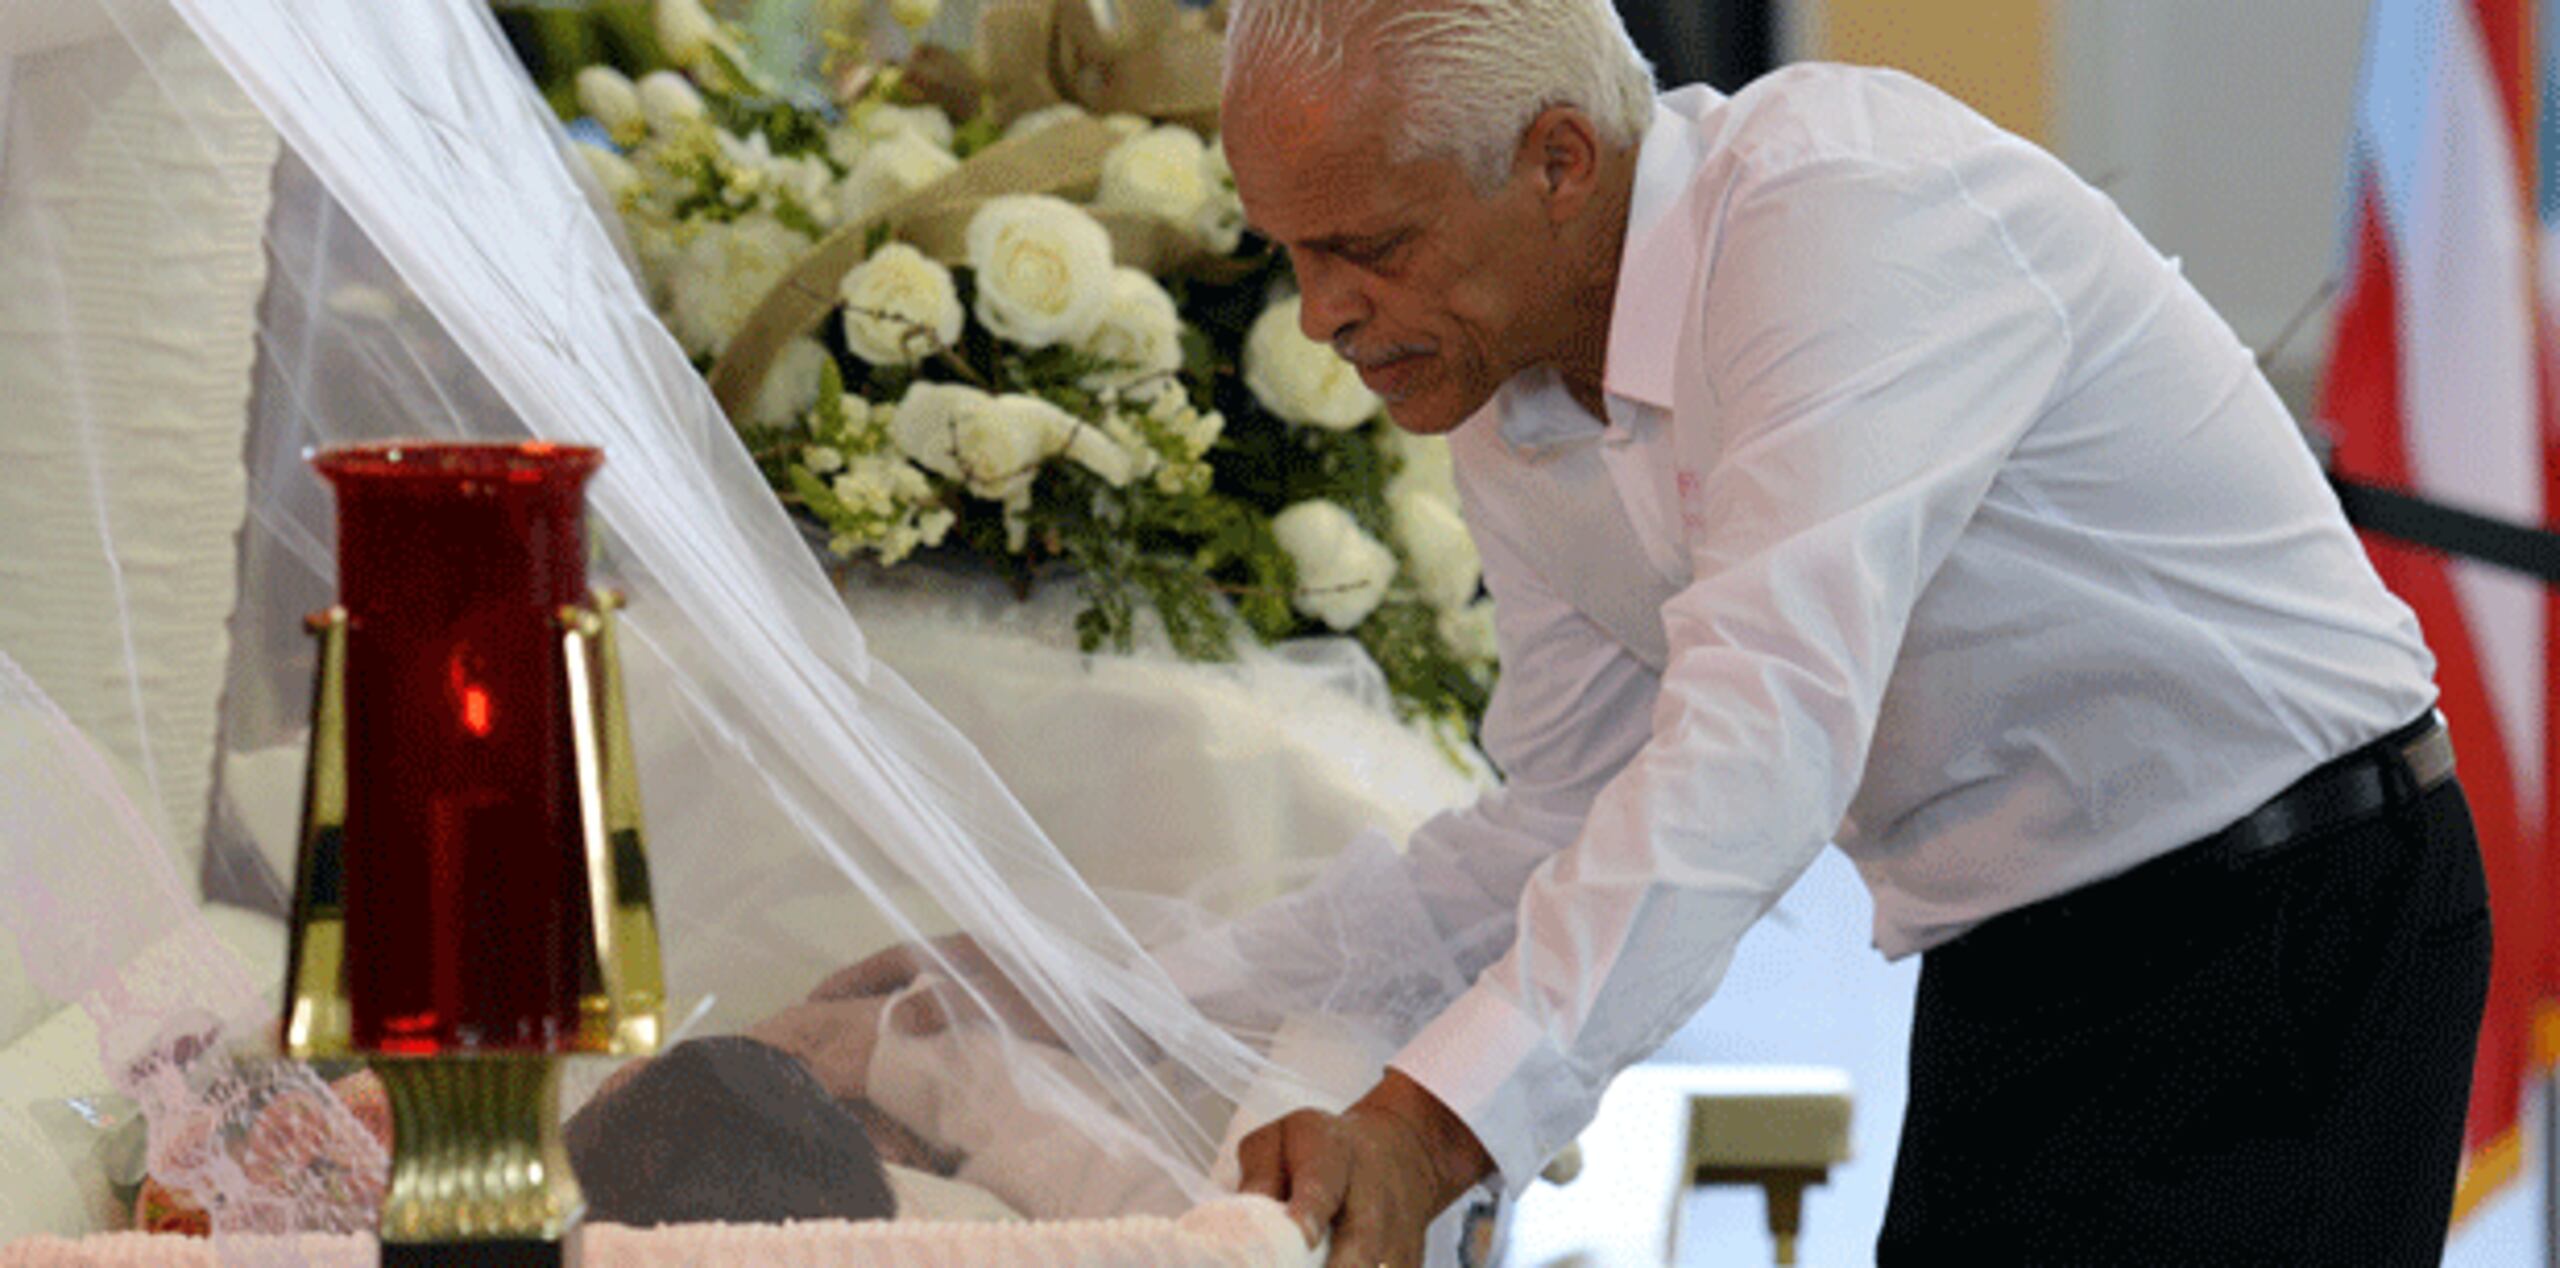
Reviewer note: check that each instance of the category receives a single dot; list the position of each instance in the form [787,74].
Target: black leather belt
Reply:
[2396,769]
[2392,771]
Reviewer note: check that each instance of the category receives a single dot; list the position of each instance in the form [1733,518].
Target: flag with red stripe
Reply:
[2440,382]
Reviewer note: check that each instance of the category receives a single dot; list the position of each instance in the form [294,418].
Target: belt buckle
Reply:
[2430,756]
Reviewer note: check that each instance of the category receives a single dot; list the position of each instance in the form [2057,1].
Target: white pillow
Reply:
[923,1195]
[52,1178]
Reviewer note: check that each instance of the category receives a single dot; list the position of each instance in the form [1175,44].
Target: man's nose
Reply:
[1330,303]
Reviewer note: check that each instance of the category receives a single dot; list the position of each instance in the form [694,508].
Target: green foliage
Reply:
[979,132]
[1426,677]
[788,127]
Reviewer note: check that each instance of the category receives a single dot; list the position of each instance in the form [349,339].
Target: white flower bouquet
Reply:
[1062,356]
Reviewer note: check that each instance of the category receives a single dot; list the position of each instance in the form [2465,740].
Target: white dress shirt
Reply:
[1974,540]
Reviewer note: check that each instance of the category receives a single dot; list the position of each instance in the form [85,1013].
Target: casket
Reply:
[122,561]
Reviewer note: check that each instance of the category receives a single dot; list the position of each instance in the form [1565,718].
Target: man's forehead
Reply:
[1314,169]
[1298,131]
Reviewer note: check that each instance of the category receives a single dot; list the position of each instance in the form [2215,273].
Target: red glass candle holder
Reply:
[467,910]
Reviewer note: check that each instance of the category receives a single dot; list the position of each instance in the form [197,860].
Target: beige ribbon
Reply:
[1157,60]
[1148,57]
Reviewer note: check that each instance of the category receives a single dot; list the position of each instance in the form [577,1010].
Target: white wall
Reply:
[2221,128]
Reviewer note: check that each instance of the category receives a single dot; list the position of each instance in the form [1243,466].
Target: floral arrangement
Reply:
[996,377]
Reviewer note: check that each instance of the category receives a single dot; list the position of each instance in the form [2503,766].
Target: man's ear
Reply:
[1563,150]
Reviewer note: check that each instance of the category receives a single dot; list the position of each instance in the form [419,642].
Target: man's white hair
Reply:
[1469,75]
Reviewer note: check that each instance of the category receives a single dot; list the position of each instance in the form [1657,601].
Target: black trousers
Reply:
[2206,1061]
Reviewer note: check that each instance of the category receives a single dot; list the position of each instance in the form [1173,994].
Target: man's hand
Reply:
[1374,1175]
[893,970]
[833,1038]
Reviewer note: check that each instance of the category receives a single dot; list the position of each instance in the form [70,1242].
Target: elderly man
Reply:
[1845,468]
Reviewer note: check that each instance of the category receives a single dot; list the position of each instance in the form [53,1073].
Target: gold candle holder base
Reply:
[478,1169]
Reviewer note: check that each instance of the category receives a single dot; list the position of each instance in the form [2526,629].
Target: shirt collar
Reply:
[1649,319]
[1645,323]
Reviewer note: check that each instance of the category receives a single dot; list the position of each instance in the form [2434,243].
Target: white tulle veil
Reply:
[368,206]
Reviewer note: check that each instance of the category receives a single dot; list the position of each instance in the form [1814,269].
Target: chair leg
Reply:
[1781,1188]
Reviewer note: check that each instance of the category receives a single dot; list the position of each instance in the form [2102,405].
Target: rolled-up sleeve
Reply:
[1873,346]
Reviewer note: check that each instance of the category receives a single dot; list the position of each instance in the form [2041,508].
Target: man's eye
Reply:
[1374,251]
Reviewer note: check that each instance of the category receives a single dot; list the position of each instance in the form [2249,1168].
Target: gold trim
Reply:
[2546,1035]
[478,1153]
[316,1020]
[639,967]
[595,1019]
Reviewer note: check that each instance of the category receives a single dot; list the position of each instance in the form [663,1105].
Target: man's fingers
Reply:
[1319,1168]
[1297,1161]
[1374,1231]
[1264,1167]
[882,974]
[1360,1229]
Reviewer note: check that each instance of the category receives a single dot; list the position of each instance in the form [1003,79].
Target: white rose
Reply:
[900,307]
[1140,332]
[609,98]
[1424,468]
[1045,117]
[1438,548]
[686,32]
[890,170]
[1220,223]
[1125,125]
[1043,269]
[1342,571]
[1223,219]
[1163,172]
[996,445]
[612,171]
[724,272]
[1469,631]
[1299,379]
[669,102]
[791,386]
[914,15]
[926,426]
[1096,451]
[1002,445]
